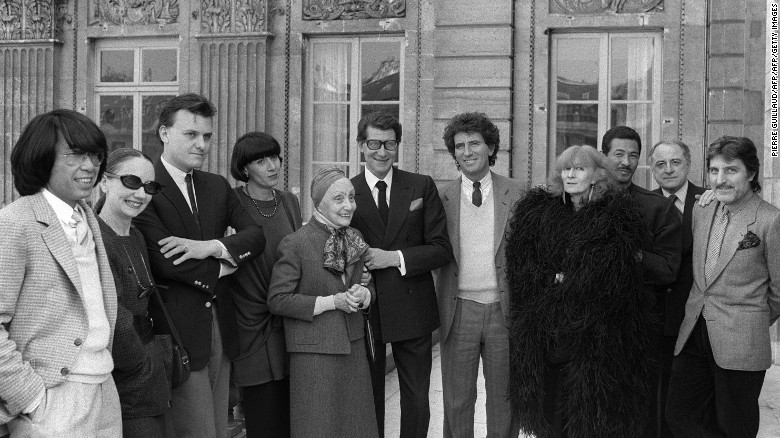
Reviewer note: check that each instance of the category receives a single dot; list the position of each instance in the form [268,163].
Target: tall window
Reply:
[133,80]
[602,80]
[346,78]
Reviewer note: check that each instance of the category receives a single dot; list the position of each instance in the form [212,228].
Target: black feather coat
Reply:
[597,321]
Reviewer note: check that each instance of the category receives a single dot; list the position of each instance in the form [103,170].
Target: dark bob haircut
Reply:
[619,133]
[733,148]
[33,155]
[378,120]
[472,122]
[250,147]
[194,103]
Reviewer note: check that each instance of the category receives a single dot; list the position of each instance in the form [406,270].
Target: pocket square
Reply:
[416,204]
[749,241]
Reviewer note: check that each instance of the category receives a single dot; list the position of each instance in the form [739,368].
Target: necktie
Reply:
[191,194]
[716,240]
[81,228]
[384,210]
[476,195]
[674,198]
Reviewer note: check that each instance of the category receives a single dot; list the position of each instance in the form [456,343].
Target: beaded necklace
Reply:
[276,203]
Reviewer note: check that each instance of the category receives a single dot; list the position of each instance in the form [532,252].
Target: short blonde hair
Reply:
[585,156]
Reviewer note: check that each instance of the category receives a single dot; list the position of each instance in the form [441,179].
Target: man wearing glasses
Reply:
[58,302]
[402,219]
[184,227]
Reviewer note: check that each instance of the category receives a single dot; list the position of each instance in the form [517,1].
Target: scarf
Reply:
[343,247]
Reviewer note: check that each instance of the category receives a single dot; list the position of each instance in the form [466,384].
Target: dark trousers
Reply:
[267,409]
[413,360]
[667,356]
[706,400]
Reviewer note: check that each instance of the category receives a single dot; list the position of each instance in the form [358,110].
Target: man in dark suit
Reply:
[659,257]
[671,161]
[402,219]
[724,349]
[184,227]
[472,290]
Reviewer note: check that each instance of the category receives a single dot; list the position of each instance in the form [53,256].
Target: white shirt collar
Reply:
[61,208]
[485,184]
[175,173]
[371,179]
[681,194]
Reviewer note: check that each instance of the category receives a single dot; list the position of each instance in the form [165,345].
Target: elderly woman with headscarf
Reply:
[316,286]
[580,312]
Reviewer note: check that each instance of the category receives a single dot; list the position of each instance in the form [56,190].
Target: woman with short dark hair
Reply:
[261,368]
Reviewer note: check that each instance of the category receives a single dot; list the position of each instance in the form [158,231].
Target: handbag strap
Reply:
[174,332]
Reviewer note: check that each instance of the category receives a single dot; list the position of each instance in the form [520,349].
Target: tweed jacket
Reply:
[506,192]
[42,308]
[417,226]
[677,293]
[742,299]
[194,285]
[297,280]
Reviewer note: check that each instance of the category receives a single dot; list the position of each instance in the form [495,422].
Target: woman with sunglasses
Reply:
[139,371]
[261,368]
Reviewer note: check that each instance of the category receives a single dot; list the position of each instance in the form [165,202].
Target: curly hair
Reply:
[585,156]
[472,122]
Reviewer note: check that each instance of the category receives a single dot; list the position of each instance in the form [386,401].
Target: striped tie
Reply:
[716,240]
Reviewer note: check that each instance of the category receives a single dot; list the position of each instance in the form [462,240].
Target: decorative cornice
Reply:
[326,10]
[32,19]
[133,12]
[576,7]
[233,16]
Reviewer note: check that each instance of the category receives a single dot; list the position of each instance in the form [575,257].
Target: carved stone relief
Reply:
[233,16]
[10,20]
[352,9]
[133,12]
[605,6]
[32,19]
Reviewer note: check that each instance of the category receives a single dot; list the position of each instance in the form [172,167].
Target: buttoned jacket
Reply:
[42,309]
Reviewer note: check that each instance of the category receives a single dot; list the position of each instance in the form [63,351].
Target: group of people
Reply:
[597,308]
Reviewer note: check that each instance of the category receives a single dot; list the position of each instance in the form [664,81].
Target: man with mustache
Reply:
[671,161]
[659,257]
[723,349]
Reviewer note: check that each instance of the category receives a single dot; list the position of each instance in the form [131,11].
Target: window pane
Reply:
[116,121]
[331,133]
[577,124]
[632,68]
[381,70]
[159,65]
[330,72]
[390,109]
[116,66]
[150,111]
[638,116]
[577,62]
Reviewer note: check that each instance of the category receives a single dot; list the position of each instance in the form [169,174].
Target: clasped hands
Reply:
[355,298]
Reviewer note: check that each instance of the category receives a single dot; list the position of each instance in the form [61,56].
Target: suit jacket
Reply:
[743,297]
[677,293]
[506,192]
[41,301]
[297,280]
[194,284]
[417,226]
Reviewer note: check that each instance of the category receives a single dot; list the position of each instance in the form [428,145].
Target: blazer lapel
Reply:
[367,209]
[400,198]
[500,209]
[56,241]
[451,203]
[689,203]
[735,231]
[173,195]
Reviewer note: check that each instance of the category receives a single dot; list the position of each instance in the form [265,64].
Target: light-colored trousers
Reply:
[478,330]
[200,405]
[73,409]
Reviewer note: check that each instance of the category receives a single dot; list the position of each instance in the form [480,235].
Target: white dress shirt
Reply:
[371,180]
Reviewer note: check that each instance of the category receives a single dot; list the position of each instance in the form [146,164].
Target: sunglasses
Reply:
[133,182]
[146,291]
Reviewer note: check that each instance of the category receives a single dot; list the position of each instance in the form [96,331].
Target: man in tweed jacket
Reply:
[57,297]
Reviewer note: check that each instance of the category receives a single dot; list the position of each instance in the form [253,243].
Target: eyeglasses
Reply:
[147,290]
[76,158]
[390,145]
[133,182]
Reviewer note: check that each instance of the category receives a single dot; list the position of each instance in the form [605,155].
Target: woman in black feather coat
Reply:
[580,319]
